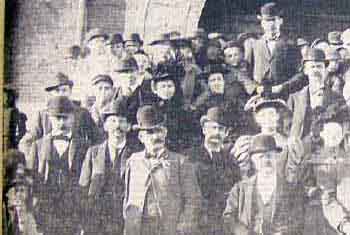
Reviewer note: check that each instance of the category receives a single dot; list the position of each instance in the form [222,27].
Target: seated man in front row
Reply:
[265,201]
[162,195]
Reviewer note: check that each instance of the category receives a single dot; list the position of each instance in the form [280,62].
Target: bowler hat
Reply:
[302,42]
[100,78]
[215,114]
[269,11]
[133,37]
[127,64]
[244,36]
[258,102]
[114,109]
[116,39]
[332,54]
[234,44]
[59,106]
[95,33]
[215,68]
[263,144]
[59,80]
[334,38]
[148,117]
[314,54]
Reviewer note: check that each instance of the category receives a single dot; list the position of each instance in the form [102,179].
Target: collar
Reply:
[118,146]
[275,38]
[68,135]
[161,154]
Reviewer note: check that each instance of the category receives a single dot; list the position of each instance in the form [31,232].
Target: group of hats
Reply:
[114,39]
[258,102]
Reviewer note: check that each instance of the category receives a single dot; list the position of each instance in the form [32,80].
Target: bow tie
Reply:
[61,137]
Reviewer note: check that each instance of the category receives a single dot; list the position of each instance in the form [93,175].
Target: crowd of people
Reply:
[187,135]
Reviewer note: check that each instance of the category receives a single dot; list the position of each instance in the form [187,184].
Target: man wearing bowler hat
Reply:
[102,176]
[117,45]
[264,201]
[162,195]
[315,94]
[273,59]
[215,169]
[55,163]
[83,126]
[133,43]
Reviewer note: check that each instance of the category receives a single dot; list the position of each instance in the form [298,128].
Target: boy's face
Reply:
[165,89]
[116,127]
[103,92]
[64,90]
[233,56]
[265,162]
[216,83]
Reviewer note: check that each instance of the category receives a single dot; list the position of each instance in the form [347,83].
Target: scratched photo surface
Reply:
[176,117]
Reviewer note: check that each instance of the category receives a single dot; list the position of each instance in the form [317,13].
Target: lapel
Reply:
[301,106]
[265,49]
[100,159]
[249,187]
[44,155]
[125,154]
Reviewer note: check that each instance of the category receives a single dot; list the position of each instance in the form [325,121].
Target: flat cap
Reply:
[102,77]
[95,33]
[59,80]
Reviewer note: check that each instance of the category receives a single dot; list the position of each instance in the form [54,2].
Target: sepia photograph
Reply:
[176,117]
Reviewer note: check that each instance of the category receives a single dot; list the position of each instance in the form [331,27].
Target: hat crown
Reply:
[215,114]
[60,105]
[263,143]
[115,109]
[117,38]
[60,79]
[148,116]
[102,77]
[270,9]
[128,64]
[314,54]
[134,37]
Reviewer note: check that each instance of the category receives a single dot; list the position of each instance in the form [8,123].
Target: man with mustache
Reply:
[315,95]
[55,163]
[102,176]
[215,169]
[162,196]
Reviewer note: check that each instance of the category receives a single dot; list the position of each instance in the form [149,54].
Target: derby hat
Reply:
[302,42]
[258,102]
[100,78]
[263,144]
[215,114]
[314,54]
[270,11]
[59,80]
[114,109]
[60,106]
[133,37]
[148,118]
[334,38]
[126,65]
[116,39]
[95,33]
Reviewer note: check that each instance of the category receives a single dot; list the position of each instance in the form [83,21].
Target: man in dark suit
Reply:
[102,176]
[273,59]
[162,195]
[55,163]
[215,169]
[316,95]
[265,201]
[84,125]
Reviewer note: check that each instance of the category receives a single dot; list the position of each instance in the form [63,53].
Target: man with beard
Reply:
[162,195]
[273,59]
[215,169]
[83,126]
[264,202]
[316,94]
[334,74]
[102,176]
[55,163]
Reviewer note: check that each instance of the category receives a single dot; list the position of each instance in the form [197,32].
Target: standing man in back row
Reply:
[273,59]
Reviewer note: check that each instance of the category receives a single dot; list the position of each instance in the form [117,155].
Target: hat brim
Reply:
[105,36]
[94,82]
[205,119]
[137,127]
[125,41]
[264,150]
[68,83]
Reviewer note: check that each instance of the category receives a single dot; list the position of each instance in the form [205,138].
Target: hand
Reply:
[277,89]
[260,89]
[346,227]
[241,149]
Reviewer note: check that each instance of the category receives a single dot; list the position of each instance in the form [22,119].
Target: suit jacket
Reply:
[242,207]
[299,104]
[216,178]
[276,68]
[173,181]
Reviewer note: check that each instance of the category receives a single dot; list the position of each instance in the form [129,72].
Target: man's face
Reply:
[97,46]
[132,47]
[214,133]
[213,52]
[64,90]
[165,89]
[186,53]
[154,139]
[315,70]
[103,92]
[162,54]
[216,83]
[333,66]
[198,43]
[61,124]
[117,49]
[265,163]
[272,27]
[267,118]
[128,80]
[332,134]
[116,127]
[143,62]
[233,56]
